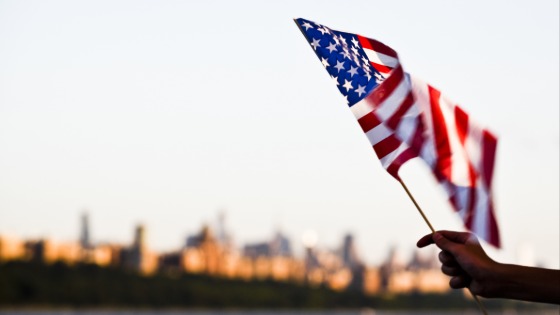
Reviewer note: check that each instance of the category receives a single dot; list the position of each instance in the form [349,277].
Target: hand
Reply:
[464,259]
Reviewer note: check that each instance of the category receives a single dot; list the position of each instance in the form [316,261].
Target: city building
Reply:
[138,257]
[49,251]
[11,248]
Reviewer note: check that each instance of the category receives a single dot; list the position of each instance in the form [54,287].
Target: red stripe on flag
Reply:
[410,153]
[395,119]
[470,208]
[386,146]
[364,41]
[381,68]
[454,203]
[387,87]
[462,127]
[406,155]
[376,46]
[368,122]
[462,124]
[489,144]
[418,138]
[492,228]
[441,139]
[472,175]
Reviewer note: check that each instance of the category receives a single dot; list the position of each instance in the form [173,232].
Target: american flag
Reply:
[404,118]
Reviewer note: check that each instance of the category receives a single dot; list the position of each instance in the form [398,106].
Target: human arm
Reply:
[464,259]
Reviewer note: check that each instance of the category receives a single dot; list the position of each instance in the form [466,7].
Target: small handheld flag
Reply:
[404,118]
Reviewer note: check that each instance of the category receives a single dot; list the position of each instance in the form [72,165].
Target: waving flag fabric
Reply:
[404,118]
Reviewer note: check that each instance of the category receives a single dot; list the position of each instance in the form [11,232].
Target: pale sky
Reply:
[166,112]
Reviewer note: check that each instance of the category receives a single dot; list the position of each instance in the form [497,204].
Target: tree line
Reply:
[34,284]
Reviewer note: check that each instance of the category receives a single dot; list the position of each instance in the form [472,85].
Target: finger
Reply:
[425,241]
[443,243]
[447,259]
[457,237]
[458,282]
[452,270]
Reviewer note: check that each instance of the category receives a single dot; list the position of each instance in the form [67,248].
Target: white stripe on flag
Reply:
[481,214]
[390,158]
[407,125]
[460,174]
[421,95]
[388,107]
[428,153]
[462,196]
[361,108]
[378,133]
[447,188]
[380,58]
[472,146]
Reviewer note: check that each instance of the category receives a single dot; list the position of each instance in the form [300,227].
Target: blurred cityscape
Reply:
[212,252]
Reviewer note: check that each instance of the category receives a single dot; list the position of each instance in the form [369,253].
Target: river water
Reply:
[551,311]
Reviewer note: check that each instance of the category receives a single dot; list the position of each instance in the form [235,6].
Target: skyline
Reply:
[219,232]
[211,253]
[219,228]
[169,113]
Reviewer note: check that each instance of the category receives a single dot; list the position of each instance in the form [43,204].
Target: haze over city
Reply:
[168,113]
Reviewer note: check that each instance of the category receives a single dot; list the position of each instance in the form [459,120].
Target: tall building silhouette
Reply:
[278,246]
[138,256]
[84,234]
[349,252]
[139,243]
[221,227]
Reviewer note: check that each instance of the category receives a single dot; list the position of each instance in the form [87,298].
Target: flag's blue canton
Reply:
[345,60]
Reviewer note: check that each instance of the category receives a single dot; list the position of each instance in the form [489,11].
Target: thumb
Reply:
[443,243]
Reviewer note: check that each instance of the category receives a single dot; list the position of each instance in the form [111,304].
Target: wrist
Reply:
[523,283]
[498,280]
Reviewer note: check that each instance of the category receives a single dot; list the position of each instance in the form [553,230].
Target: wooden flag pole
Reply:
[417,206]
[433,231]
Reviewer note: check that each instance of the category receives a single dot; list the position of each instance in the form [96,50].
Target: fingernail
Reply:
[437,236]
